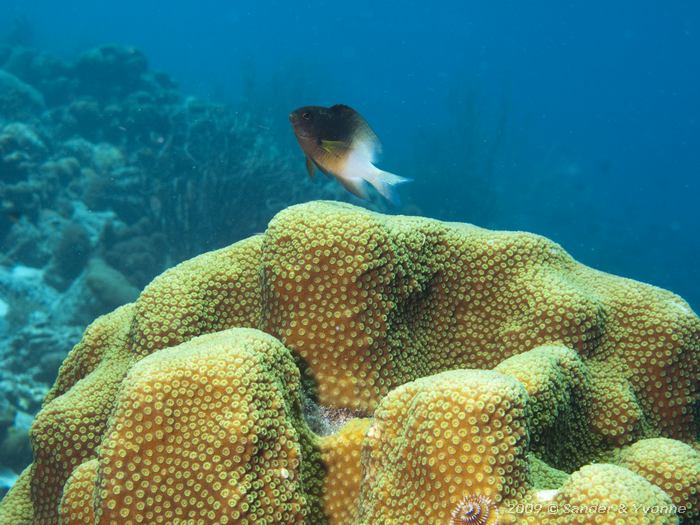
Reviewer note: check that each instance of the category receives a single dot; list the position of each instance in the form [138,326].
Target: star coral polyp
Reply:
[486,364]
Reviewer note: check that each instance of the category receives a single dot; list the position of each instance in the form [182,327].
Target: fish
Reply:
[339,142]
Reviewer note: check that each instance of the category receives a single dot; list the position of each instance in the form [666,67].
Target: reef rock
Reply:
[488,371]
[110,70]
[20,150]
[17,99]
[108,286]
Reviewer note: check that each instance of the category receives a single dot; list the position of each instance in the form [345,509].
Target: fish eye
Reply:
[306,116]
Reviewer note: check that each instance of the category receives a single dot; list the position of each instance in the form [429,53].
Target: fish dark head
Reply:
[308,121]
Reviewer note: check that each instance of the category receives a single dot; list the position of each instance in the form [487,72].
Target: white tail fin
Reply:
[358,168]
[385,183]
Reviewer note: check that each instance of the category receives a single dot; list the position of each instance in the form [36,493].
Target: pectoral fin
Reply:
[334,147]
[310,166]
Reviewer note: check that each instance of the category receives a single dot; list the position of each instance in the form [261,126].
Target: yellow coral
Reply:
[340,453]
[544,477]
[77,504]
[605,494]
[203,433]
[441,438]
[70,426]
[212,292]
[671,465]
[16,507]
[367,303]
[370,302]
[559,393]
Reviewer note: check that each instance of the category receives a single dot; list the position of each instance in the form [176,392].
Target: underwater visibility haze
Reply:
[349,263]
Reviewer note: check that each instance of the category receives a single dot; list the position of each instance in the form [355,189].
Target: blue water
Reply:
[576,120]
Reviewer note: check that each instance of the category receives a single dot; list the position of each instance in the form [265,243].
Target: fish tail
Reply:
[385,183]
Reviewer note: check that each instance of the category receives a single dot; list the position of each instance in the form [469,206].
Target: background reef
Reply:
[109,176]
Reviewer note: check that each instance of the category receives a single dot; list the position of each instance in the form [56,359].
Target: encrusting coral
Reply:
[208,431]
[439,438]
[672,465]
[497,377]
[340,453]
[76,503]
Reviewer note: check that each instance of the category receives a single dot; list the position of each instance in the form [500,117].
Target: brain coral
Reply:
[487,370]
